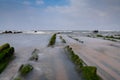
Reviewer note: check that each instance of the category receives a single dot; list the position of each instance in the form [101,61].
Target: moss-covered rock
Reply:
[52,40]
[25,69]
[34,55]
[6,53]
[3,65]
[17,78]
[4,46]
[63,40]
[90,73]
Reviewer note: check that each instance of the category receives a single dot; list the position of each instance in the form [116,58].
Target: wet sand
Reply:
[103,54]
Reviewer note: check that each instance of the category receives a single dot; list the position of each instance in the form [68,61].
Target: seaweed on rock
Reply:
[52,40]
[6,54]
[88,72]
[25,69]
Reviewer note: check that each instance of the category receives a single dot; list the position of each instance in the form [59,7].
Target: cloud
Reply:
[33,3]
[39,2]
[26,2]
[78,14]
[79,8]
[86,11]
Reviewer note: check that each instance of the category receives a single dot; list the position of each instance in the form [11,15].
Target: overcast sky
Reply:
[59,14]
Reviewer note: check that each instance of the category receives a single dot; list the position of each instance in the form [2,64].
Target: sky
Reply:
[59,14]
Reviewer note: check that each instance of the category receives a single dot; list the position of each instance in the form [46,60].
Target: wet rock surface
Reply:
[103,54]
